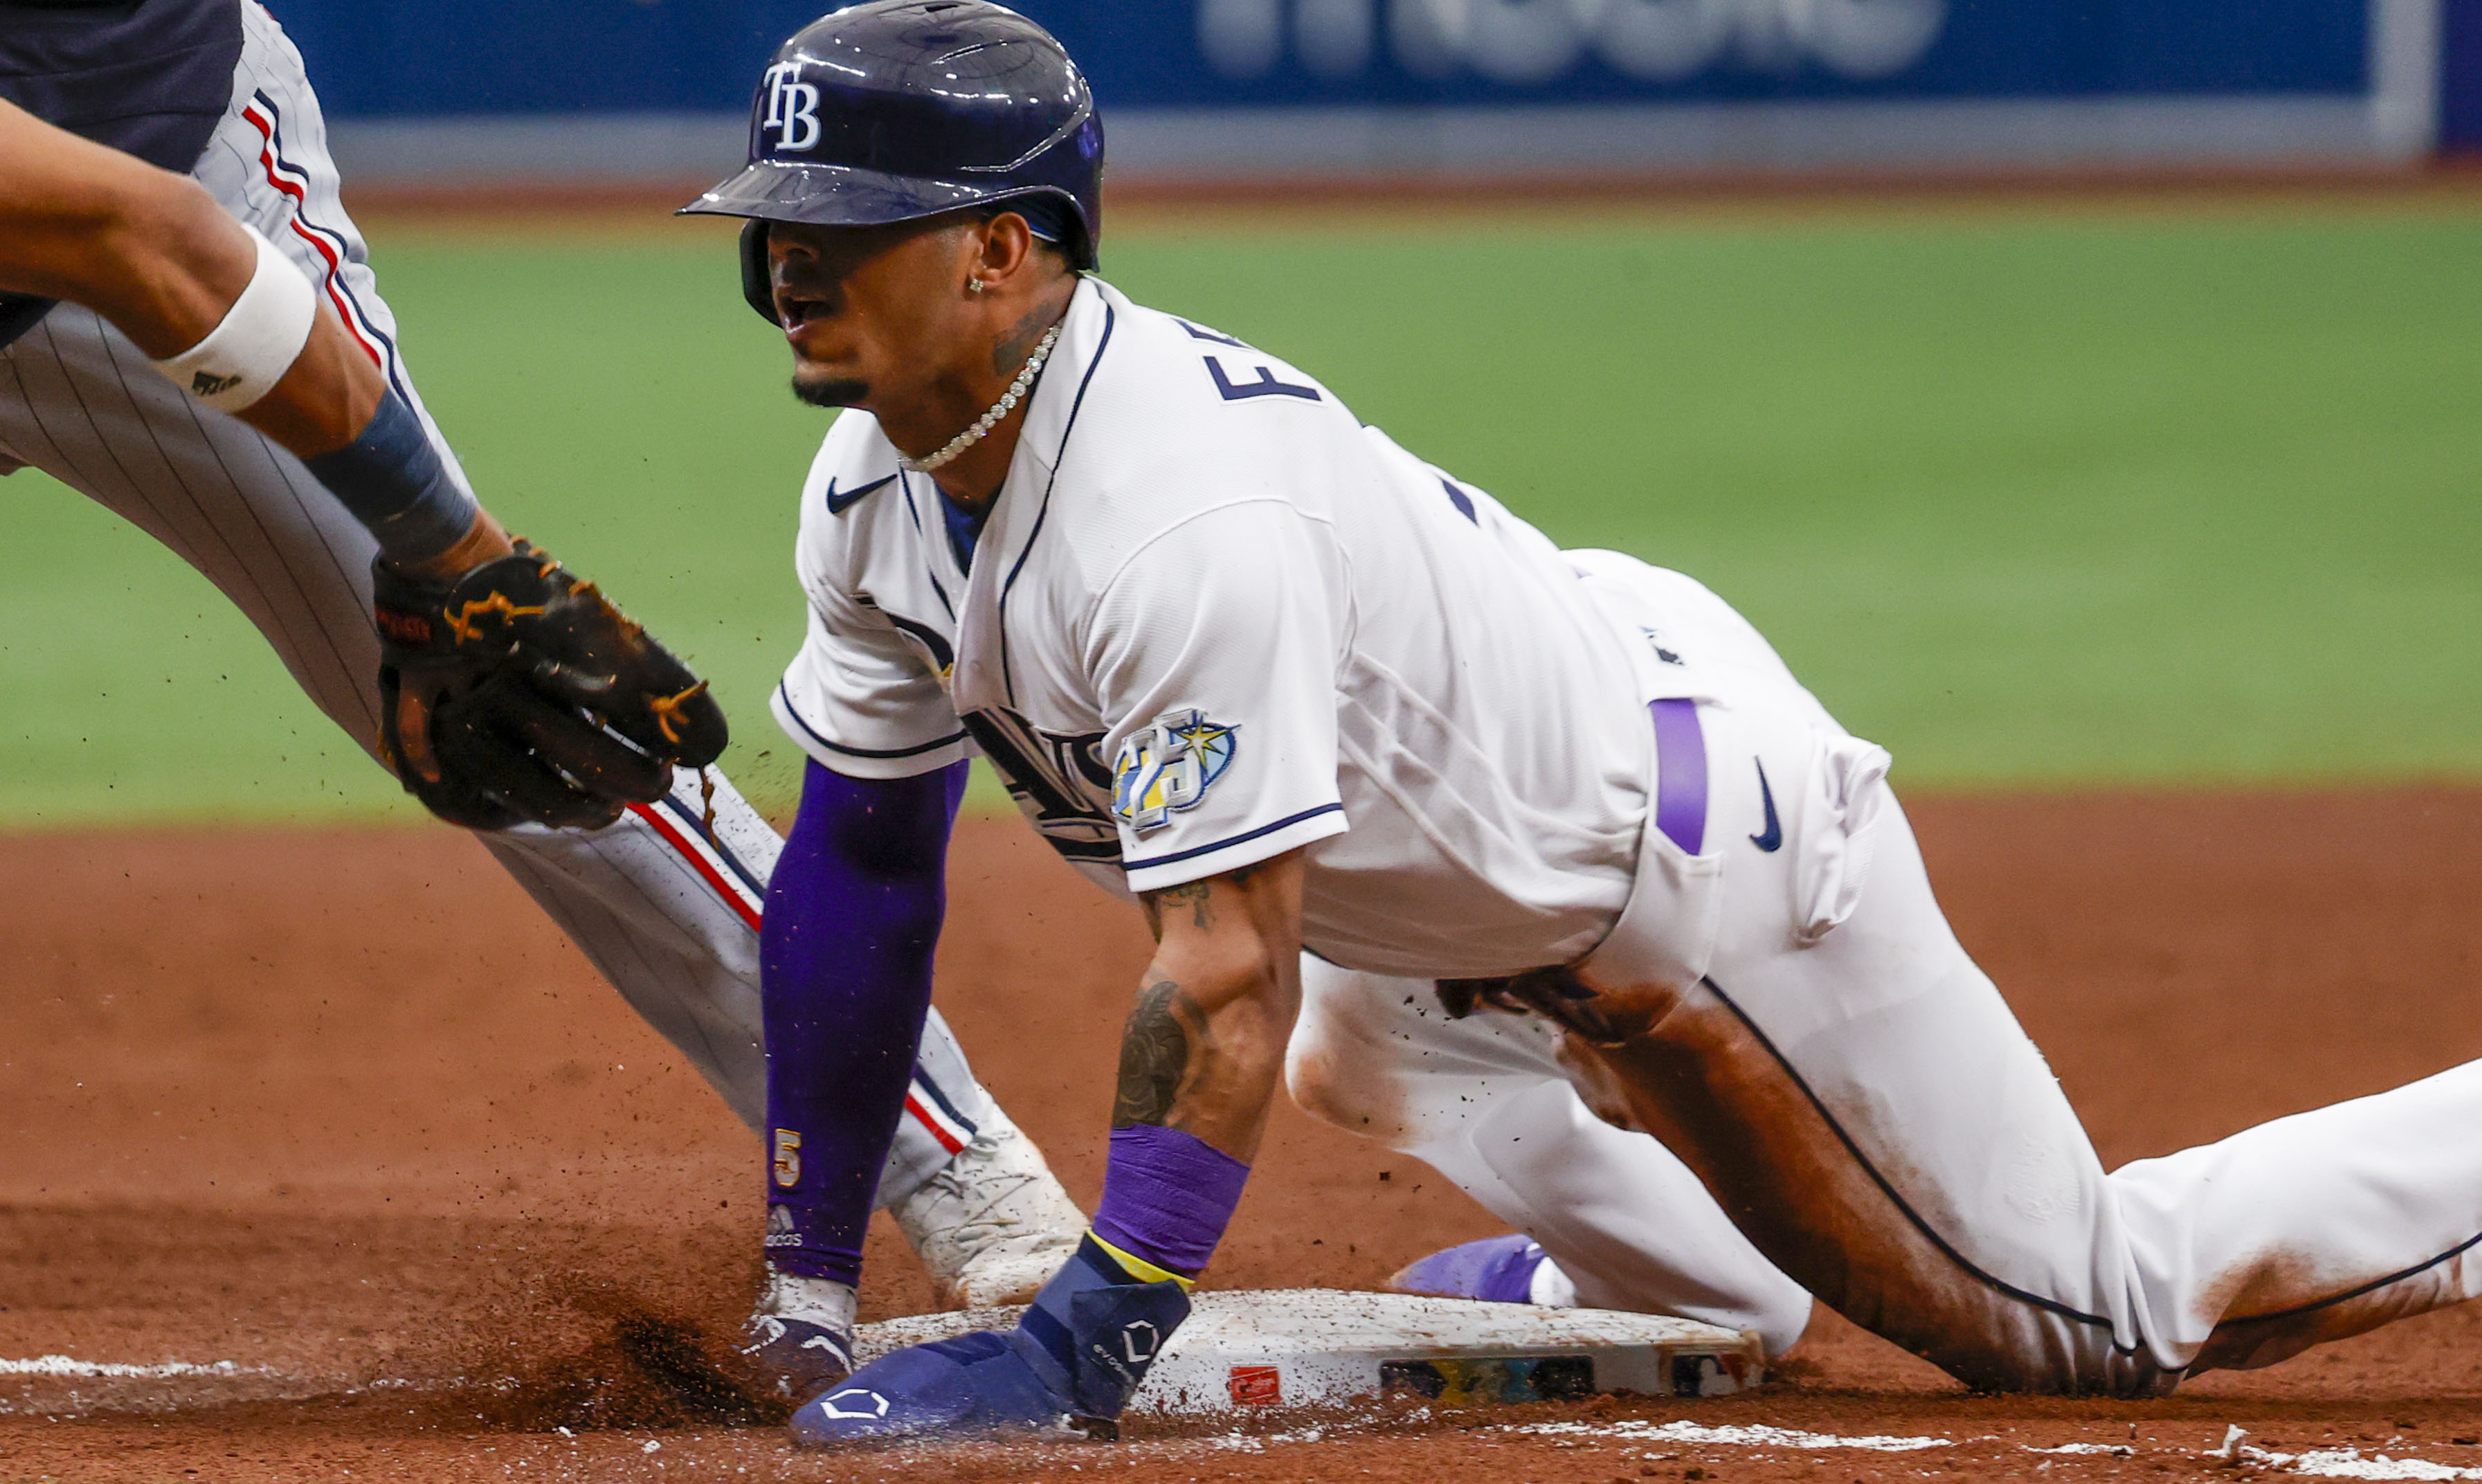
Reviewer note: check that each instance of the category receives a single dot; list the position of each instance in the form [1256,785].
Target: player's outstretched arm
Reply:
[511,692]
[1198,1065]
[152,252]
[232,322]
[148,249]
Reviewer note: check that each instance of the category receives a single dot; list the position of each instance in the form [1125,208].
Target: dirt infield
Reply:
[342,1203]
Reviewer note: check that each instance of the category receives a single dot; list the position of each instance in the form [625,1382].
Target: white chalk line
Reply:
[2317,1463]
[2335,1463]
[1754,1436]
[2349,1464]
[2332,1463]
[1260,1442]
[211,1383]
[65,1365]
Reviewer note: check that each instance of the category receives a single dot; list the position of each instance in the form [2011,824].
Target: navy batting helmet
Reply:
[900,108]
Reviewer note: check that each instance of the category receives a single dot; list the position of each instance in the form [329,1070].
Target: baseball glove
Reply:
[517,694]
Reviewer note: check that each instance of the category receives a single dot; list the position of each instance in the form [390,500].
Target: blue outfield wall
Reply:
[436,57]
[2460,103]
[1398,85]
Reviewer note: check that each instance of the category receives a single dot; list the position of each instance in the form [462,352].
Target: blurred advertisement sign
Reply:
[1538,42]
[1194,53]
[1665,41]
[2460,110]
[598,90]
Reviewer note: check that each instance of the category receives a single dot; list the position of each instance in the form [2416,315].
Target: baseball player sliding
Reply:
[181,200]
[1369,752]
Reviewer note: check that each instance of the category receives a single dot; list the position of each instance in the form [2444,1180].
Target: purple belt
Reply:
[1679,774]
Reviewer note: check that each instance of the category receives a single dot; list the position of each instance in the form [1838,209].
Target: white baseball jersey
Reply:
[1212,619]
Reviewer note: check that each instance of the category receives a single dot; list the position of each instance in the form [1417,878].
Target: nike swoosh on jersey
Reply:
[839,504]
[1773,838]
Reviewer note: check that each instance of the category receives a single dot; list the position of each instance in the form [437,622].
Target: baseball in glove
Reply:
[517,694]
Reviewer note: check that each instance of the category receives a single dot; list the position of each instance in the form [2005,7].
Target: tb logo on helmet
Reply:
[927,107]
[792,107]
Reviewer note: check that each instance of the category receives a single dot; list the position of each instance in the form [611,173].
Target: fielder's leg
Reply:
[1484,1101]
[666,915]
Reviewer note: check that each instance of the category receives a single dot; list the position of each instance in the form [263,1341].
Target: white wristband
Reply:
[258,339]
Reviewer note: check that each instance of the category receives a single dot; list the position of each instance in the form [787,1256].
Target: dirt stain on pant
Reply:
[2286,1305]
[1699,1078]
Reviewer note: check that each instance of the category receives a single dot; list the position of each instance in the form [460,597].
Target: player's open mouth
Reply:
[794,311]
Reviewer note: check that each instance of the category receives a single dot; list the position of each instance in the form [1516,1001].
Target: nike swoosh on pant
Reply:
[1773,836]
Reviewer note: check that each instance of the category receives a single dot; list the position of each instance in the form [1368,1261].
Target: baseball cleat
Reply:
[972,1385]
[992,1225]
[1082,1346]
[793,1359]
[800,1341]
[1511,1269]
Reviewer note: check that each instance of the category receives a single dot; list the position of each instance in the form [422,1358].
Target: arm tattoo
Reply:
[1195,893]
[1164,1033]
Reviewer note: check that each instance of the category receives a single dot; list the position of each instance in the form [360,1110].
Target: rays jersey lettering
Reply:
[1059,782]
[1212,619]
[1166,767]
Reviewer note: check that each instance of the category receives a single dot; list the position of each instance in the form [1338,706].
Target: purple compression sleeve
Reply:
[1167,1197]
[853,915]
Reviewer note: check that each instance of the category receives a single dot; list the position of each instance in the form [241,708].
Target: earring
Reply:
[973,286]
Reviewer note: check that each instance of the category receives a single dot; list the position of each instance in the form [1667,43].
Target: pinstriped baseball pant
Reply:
[668,916]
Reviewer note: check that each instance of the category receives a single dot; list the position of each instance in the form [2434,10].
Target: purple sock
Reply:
[1167,1197]
[853,915]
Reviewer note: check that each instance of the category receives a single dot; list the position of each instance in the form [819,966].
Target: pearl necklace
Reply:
[1006,405]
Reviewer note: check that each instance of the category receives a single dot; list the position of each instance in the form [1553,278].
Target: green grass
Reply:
[2033,500]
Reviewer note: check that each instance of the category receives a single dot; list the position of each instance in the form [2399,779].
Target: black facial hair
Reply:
[830,392]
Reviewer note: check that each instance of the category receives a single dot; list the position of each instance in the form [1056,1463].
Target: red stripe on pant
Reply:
[335,295]
[922,1115]
[672,836]
[680,843]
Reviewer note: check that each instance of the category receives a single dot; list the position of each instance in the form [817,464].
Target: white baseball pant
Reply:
[1854,1096]
[1486,1101]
